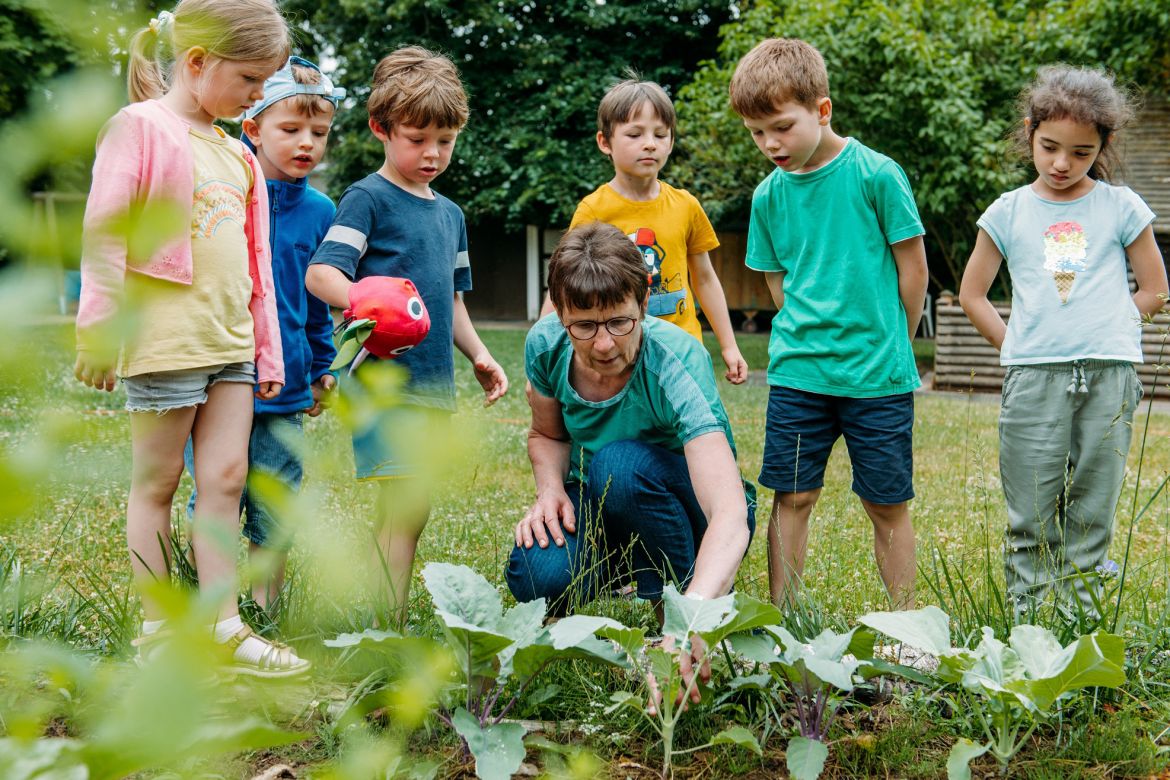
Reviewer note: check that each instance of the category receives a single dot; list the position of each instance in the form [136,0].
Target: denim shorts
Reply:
[162,391]
[802,428]
[274,450]
[400,441]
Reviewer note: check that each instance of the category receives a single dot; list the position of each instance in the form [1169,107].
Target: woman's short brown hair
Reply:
[596,266]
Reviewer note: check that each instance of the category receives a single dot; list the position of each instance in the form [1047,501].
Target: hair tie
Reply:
[161,22]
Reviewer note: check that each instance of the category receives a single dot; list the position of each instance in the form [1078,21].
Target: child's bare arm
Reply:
[775,280]
[487,371]
[329,284]
[980,274]
[913,276]
[1148,271]
[709,291]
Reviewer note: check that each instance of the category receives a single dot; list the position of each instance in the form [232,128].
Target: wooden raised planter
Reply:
[963,360]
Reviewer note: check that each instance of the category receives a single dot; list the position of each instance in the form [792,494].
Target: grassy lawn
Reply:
[67,533]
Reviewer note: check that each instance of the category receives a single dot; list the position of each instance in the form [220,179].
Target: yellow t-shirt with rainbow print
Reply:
[206,323]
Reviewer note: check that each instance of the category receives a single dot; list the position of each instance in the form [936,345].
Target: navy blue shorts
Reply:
[802,427]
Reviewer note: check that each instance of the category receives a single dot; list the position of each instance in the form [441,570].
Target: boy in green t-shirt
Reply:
[836,232]
[636,125]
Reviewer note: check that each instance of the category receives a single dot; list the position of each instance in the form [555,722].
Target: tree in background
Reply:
[534,70]
[932,85]
[34,47]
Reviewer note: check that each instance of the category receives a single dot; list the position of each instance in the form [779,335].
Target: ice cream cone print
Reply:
[1064,255]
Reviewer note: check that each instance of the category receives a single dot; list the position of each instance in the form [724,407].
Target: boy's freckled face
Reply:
[289,143]
[420,154]
[640,146]
[791,137]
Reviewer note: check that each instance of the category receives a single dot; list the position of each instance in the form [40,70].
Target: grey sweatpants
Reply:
[1064,433]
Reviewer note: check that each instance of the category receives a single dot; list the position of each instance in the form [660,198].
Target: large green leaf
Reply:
[995,665]
[759,648]
[748,614]
[823,658]
[528,660]
[461,591]
[738,735]
[572,630]
[630,640]
[474,625]
[962,754]
[805,758]
[685,615]
[524,623]
[925,629]
[1094,660]
[498,749]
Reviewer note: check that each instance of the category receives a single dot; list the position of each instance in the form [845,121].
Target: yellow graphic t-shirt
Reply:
[206,323]
[665,230]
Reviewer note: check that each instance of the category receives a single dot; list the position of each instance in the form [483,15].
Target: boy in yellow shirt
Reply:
[635,128]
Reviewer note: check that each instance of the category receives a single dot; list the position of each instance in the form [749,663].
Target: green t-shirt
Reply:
[671,396]
[842,329]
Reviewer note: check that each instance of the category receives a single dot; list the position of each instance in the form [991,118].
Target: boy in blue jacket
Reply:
[288,130]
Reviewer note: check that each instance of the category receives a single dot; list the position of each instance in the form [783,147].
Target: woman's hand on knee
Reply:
[549,518]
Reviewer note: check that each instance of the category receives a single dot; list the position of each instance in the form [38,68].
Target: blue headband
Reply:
[281,85]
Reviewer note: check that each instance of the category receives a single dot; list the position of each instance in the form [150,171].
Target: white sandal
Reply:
[277,660]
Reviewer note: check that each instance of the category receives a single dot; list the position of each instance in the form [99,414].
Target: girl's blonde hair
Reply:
[1086,96]
[239,30]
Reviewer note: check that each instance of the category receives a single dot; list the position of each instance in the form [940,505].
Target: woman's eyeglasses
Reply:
[583,330]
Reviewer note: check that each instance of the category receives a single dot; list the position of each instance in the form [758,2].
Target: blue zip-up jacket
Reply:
[300,217]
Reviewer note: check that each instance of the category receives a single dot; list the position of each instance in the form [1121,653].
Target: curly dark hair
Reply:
[1085,95]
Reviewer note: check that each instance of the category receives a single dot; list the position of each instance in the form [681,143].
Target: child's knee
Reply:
[800,504]
[227,478]
[158,479]
[887,514]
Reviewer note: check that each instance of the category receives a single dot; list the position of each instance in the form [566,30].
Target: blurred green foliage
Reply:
[932,85]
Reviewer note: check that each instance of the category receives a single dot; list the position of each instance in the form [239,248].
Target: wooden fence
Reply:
[963,360]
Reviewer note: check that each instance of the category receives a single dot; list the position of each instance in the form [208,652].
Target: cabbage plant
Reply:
[1010,689]
[817,676]
[713,621]
[496,652]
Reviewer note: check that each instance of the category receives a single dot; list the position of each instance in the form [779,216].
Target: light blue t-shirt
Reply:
[671,396]
[1070,293]
[842,329]
[381,229]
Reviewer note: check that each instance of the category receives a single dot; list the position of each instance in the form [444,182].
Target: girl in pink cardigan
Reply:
[176,256]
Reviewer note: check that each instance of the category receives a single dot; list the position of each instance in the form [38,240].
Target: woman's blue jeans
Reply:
[638,514]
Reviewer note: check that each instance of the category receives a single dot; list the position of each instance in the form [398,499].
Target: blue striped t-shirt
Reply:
[382,230]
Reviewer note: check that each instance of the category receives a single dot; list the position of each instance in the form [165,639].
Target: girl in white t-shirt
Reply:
[1070,387]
